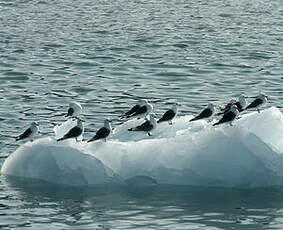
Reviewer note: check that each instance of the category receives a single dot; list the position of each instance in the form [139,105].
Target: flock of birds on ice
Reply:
[144,109]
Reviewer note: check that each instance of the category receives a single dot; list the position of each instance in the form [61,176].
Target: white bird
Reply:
[229,116]
[74,132]
[74,110]
[258,102]
[143,111]
[227,107]
[206,113]
[133,109]
[169,115]
[103,132]
[147,126]
[241,103]
[29,133]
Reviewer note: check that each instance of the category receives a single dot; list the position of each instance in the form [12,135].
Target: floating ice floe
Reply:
[248,154]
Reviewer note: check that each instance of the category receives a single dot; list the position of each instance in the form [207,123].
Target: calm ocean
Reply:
[107,55]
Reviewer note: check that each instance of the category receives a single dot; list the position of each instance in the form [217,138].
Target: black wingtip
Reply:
[158,121]
[130,129]
[215,124]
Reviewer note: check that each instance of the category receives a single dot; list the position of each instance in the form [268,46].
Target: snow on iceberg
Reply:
[249,154]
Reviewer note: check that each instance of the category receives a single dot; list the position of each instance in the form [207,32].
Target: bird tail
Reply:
[193,119]
[132,129]
[17,138]
[61,139]
[217,123]
[92,139]
[159,121]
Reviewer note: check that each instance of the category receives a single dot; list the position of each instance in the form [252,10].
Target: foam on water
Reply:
[249,154]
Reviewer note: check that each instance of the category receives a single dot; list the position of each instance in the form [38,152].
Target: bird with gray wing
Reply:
[103,132]
[148,126]
[229,116]
[74,132]
[169,115]
[29,133]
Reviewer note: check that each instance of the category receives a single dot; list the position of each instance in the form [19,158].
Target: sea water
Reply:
[107,55]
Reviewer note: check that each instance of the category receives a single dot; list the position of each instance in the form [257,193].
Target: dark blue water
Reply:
[106,55]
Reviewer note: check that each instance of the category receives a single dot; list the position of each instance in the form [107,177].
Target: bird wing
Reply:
[146,126]
[100,134]
[25,134]
[254,104]
[141,110]
[204,114]
[74,132]
[133,110]
[167,116]
[229,116]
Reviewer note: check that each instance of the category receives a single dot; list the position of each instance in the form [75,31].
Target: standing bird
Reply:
[143,111]
[169,115]
[229,116]
[103,132]
[74,109]
[227,107]
[258,102]
[132,110]
[29,133]
[147,126]
[206,113]
[74,132]
[241,103]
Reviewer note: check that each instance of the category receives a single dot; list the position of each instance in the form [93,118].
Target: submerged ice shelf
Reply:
[249,154]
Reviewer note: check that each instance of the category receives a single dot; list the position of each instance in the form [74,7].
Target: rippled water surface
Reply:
[106,55]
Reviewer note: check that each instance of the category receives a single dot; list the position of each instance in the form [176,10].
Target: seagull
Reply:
[258,102]
[241,103]
[103,132]
[206,113]
[147,126]
[229,116]
[169,115]
[227,107]
[143,111]
[74,132]
[74,109]
[29,133]
[132,110]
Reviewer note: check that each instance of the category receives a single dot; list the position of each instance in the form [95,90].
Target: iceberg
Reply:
[247,154]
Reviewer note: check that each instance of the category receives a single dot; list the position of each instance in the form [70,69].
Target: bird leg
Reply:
[170,122]
[258,110]
[77,139]
[104,139]
[149,134]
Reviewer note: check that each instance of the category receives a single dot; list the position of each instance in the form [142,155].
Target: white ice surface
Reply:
[249,154]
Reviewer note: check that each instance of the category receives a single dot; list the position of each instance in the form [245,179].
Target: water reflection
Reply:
[159,206]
